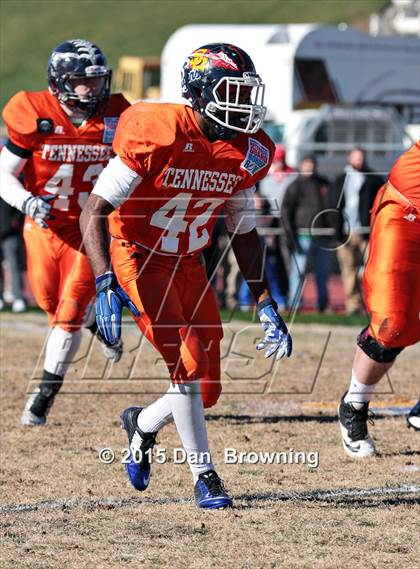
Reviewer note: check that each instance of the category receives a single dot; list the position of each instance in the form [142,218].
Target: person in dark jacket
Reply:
[306,218]
[274,264]
[12,251]
[355,191]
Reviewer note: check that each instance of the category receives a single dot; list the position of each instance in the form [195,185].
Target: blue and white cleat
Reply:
[210,493]
[140,445]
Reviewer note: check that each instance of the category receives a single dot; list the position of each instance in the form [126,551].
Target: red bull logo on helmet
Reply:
[198,60]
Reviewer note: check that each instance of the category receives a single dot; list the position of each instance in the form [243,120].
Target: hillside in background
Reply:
[29,29]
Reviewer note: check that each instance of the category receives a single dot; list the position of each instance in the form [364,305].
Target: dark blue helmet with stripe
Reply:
[76,60]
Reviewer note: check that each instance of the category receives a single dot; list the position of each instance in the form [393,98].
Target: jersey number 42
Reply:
[173,217]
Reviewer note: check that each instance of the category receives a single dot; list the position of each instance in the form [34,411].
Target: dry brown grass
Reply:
[269,526]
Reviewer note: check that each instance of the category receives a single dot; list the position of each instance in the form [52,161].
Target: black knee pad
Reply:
[375,350]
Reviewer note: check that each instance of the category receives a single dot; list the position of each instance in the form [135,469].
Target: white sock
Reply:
[155,416]
[61,349]
[358,393]
[188,413]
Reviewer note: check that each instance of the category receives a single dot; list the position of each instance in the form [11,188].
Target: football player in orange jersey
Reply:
[176,168]
[60,139]
[391,286]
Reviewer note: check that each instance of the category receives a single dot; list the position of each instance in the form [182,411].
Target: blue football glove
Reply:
[110,300]
[276,338]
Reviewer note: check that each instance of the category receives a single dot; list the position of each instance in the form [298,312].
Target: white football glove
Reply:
[39,208]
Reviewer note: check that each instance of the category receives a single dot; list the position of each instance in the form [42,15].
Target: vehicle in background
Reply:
[306,66]
[330,132]
[138,77]
[396,17]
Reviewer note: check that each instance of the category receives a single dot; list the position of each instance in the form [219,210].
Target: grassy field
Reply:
[29,29]
[62,507]
[359,320]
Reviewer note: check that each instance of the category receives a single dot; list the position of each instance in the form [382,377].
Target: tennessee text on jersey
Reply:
[186,181]
[63,160]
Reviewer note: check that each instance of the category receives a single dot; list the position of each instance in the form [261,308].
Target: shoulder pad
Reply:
[155,124]
[116,105]
[266,140]
[20,115]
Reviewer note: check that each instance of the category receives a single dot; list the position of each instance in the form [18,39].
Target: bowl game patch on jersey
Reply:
[110,126]
[256,158]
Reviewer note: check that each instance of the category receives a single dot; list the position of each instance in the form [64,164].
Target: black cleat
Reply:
[354,430]
[36,409]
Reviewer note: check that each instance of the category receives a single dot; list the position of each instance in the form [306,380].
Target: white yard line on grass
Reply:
[315,495]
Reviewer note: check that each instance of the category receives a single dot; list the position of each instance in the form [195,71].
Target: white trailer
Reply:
[271,47]
[307,65]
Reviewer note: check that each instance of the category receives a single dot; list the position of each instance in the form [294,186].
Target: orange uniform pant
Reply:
[59,274]
[179,312]
[392,275]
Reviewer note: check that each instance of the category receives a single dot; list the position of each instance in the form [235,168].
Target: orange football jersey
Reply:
[63,160]
[391,280]
[405,175]
[186,180]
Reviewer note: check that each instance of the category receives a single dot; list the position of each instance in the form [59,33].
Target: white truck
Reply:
[371,86]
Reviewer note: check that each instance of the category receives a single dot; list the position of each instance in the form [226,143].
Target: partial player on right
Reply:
[392,295]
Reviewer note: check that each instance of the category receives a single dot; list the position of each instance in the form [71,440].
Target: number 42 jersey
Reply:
[182,181]
[62,159]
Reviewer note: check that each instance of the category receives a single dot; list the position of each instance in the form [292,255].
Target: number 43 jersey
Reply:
[183,181]
[63,160]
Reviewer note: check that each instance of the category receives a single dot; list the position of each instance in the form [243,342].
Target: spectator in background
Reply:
[12,251]
[305,213]
[279,177]
[272,256]
[354,193]
[273,188]
[268,199]
[216,258]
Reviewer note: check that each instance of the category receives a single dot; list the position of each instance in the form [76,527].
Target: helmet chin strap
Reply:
[212,130]
[77,110]
[224,132]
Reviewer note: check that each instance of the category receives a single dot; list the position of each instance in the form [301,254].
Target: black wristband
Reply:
[267,302]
